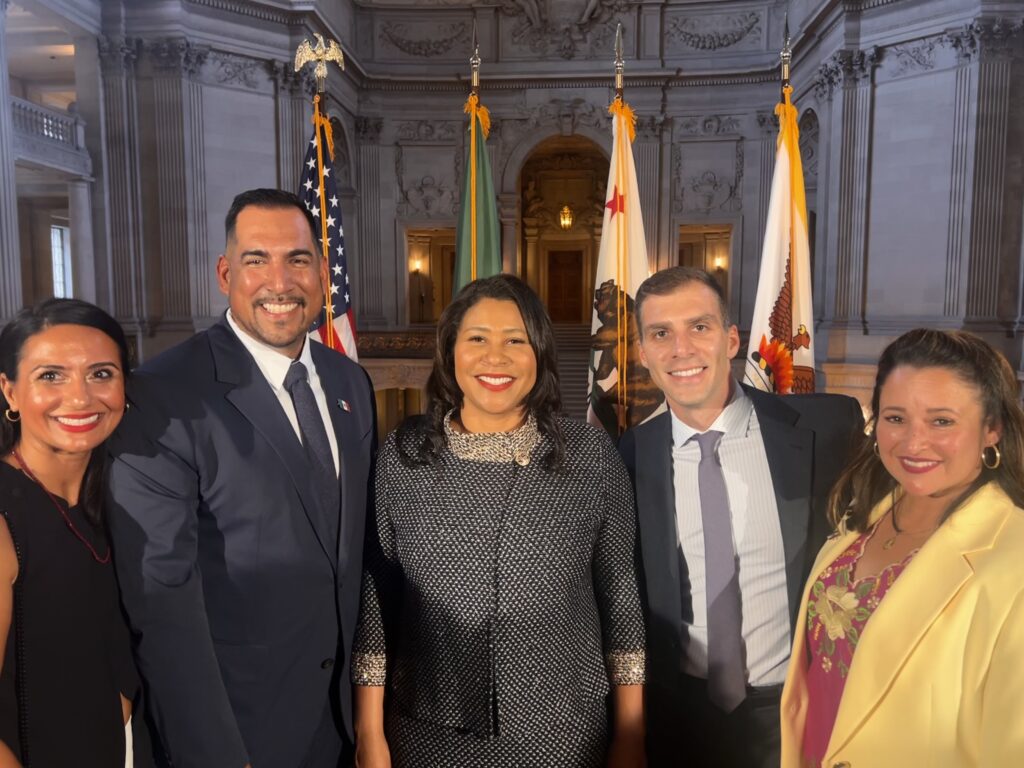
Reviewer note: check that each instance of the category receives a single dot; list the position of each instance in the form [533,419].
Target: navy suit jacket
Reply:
[242,609]
[807,439]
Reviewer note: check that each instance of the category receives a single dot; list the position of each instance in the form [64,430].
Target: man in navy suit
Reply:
[237,507]
[728,533]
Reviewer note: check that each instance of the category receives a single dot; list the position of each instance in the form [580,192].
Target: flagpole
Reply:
[474,62]
[622,262]
[787,57]
[319,56]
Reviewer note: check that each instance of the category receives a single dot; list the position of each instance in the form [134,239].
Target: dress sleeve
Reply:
[380,593]
[615,573]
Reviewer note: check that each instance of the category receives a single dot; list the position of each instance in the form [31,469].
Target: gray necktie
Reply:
[726,676]
[318,448]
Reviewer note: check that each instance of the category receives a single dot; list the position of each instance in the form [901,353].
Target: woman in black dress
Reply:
[67,683]
[500,620]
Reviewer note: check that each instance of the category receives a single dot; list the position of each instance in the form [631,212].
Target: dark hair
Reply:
[26,324]
[669,280]
[865,482]
[421,441]
[267,198]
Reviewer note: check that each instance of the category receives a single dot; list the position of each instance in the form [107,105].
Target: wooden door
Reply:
[565,275]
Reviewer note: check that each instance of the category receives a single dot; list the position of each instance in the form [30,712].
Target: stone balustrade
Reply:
[49,137]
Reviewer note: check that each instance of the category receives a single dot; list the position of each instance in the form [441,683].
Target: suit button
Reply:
[326,663]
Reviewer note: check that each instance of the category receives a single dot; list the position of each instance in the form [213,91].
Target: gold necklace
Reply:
[891,541]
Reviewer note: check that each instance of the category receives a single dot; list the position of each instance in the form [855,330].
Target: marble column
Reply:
[370,282]
[83,272]
[128,298]
[89,105]
[508,214]
[180,179]
[646,157]
[10,253]
[852,107]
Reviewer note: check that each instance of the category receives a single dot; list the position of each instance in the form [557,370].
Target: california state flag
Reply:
[781,353]
[621,393]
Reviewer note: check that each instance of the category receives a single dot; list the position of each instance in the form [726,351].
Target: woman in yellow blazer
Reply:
[909,648]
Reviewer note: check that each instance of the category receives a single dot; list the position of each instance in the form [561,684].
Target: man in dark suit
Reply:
[731,486]
[237,508]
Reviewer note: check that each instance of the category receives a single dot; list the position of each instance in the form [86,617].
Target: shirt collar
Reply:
[733,421]
[272,364]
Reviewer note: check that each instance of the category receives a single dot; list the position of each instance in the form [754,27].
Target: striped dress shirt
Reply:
[757,539]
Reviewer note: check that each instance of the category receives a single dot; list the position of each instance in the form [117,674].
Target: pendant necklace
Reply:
[67,519]
[891,541]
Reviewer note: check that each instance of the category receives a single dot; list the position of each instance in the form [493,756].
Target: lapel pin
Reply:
[343,404]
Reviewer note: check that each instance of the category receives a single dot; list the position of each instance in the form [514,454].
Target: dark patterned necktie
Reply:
[726,676]
[318,448]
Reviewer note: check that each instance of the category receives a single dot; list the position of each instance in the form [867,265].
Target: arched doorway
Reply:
[562,190]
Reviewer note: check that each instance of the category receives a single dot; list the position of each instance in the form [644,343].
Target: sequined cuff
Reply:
[369,668]
[626,667]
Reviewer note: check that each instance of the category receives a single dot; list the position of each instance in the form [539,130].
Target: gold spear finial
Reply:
[321,54]
[786,55]
[619,63]
[474,62]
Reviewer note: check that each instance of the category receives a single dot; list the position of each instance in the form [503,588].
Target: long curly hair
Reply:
[26,324]
[865,482]
[421,440]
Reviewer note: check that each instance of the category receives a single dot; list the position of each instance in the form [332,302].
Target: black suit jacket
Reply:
[239,603]
[807,439]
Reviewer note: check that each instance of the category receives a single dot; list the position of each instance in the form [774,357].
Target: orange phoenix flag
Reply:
[781,353]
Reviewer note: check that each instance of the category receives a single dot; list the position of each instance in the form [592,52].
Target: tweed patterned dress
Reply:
[500,601]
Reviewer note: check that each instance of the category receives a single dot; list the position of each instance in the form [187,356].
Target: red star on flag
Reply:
[618,202]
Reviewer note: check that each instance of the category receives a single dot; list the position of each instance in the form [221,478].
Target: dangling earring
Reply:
[996,461]
[875,448]
[12,416]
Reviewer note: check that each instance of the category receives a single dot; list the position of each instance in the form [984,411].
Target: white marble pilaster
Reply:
[10,253]
[83,272]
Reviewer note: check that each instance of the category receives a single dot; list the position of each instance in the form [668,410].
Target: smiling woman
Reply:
[912,626]
[500,604]
[67,682]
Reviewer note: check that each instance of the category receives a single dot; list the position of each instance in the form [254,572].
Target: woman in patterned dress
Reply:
[910,637]
[500,622]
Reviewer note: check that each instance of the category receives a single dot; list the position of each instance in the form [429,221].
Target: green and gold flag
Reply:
[478,239]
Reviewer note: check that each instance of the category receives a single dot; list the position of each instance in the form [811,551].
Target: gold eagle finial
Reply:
[321,53]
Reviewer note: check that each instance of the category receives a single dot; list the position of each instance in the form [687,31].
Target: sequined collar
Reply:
[516,445]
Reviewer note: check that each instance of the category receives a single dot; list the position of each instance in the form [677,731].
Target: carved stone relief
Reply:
[710,189]
[427,41]
[809,134]
[422,193]
[845,67]
[768,122]
[118,54]
[368,129]
[998,37]
[176,55]
[713,32]
[559,27]
[566,116]
[708,125]
[427,131]
[230,69]
[907,59]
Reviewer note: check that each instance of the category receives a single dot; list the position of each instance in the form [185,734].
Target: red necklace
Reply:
[67,519]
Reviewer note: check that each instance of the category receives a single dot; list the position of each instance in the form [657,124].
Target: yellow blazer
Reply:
[938,675]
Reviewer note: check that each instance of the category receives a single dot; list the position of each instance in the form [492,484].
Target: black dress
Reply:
[500,601]
[68,653]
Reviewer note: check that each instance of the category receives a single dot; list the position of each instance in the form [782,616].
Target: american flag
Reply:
[326,209]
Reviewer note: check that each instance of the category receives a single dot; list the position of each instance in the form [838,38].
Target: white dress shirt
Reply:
[274,367]
[757,539]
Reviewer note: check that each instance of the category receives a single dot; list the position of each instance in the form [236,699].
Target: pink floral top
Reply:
[837,611]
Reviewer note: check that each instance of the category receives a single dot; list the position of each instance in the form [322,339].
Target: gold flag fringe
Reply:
[622,109]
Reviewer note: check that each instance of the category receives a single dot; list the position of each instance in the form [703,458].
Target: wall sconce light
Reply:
[416,265]
[719,263]
[565,217]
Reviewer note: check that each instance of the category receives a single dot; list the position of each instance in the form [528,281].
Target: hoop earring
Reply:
[875,449]
[10,416]
[996,461]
